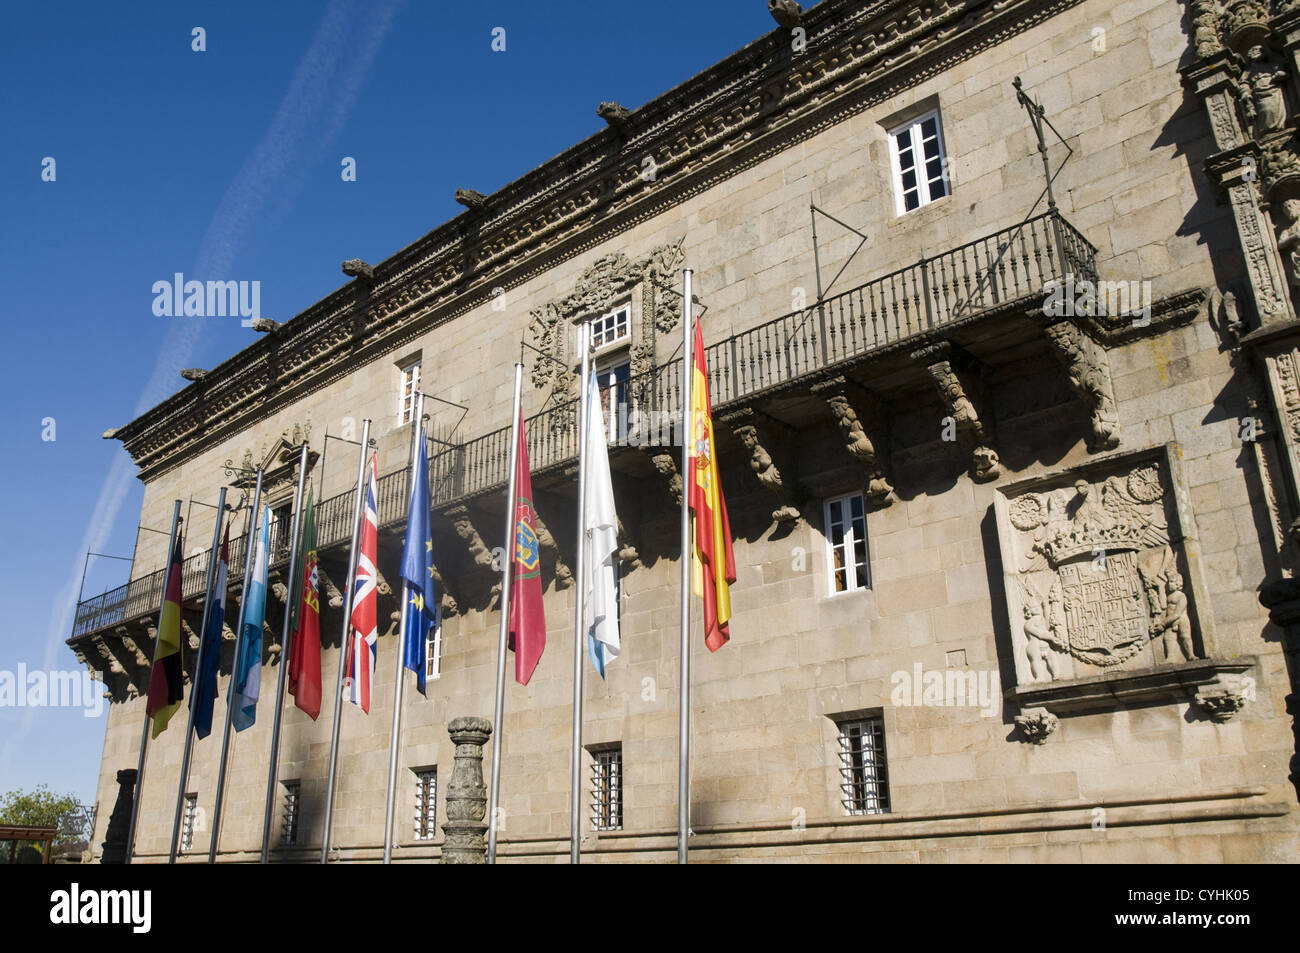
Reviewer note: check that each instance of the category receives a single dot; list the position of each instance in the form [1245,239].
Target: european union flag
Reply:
[417,570]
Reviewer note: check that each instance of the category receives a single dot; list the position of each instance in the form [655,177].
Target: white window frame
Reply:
[433,647]
[848,545]
[410,386]
[912,130]
[610,323]
[426,789]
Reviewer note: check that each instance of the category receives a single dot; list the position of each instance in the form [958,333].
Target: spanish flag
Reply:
[165,685]
[715,564]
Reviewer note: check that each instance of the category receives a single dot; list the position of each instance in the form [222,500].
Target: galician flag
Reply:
[417,570]
[247,683]
[365,608]
[304,654]
[600,542]
[166,688]
[527,616]
[204,694]
[714,563]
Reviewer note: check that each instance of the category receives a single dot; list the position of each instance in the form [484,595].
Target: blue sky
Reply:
[225,164]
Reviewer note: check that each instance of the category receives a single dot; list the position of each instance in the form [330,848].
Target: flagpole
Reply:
[144,732]
[253,524]
[344,645]
[507,576]
[684,695]
[416,431]
[285,636]
[579,631]
[198,673]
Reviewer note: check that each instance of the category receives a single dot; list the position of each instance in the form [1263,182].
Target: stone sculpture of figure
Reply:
[1261,94]
[1288,240]
[1038,648]
[1173,623]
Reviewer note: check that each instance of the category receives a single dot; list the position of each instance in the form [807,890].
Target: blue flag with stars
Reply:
[417,570]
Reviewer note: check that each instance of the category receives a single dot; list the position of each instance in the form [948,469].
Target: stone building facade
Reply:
[1013,499]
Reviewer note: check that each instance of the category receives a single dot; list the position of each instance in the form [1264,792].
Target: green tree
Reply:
[43,808]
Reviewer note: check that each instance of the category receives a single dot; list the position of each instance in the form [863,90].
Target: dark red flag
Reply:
[527,618]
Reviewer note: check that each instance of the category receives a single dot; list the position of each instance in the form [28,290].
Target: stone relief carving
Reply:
[1260,92]
[973,434]
[1036,724]
[603,285]
[1094,572]
[745,425]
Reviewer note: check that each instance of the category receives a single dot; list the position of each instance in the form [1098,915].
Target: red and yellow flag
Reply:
[715,564]
[166,688]
[304,650]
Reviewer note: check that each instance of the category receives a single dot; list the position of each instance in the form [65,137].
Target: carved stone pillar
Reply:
[1088,368]
[758,433]
[975,435]
[1236,172]
[840,396]
[467,794]
[119,822]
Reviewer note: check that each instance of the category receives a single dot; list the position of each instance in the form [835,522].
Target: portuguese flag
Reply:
[166,688]
[714,562]
[304,654]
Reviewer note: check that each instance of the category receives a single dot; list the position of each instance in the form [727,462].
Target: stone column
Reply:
[467,794]
[119,822]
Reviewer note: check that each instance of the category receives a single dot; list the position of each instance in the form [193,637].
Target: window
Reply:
[191,811]
[281,529]
[433,648]
[920,170]
[607,789]
[846,533]
[410,388]
[426,802]
[610,329]
[863,781]
[292,803]
[612,382]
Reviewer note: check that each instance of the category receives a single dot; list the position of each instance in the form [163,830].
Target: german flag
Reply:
[166,688]
[714,562]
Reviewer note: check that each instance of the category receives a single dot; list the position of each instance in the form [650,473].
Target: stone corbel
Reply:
[563,574]
[627,553]
[1036,724]
[141,660]
[756,433]
[665,465]
[106,653]
[841,395]
[333,597]
[1226,696]
[973,434]
[449,603]
[1087,366]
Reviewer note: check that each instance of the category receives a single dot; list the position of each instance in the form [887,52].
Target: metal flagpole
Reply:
[198,671]
[507,576]
[399,684]
[688,476]
[579,631]
[344,645]
[144,732]
[253,524]
[285,651]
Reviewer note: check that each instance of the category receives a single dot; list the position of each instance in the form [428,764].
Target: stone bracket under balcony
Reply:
[859,416]
[768,442]
[1218,687]
[968,423]
[1087,366]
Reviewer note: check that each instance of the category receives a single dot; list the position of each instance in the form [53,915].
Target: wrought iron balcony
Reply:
[999,270]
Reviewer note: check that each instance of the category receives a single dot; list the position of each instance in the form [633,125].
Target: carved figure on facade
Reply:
[1088,369]
[836,393]
[1260,92]
[972,433]
[1097,576]
[1205,28]
[1288,240]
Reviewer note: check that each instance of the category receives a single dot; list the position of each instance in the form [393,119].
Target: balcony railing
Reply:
[1009,265]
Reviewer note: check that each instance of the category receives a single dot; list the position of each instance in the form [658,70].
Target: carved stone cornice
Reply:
[754,104]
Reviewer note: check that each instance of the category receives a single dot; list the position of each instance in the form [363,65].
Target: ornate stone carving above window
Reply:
[609,281]
[1104,603]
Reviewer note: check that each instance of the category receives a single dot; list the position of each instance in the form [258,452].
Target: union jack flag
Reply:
[365,616]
